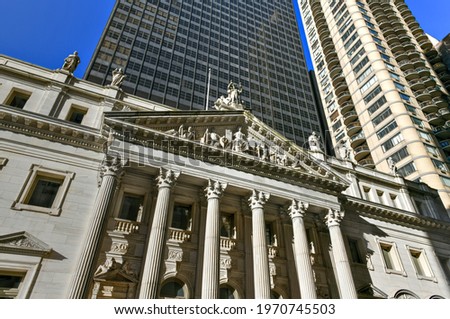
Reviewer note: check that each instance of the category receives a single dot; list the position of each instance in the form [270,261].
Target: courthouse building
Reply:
[108,195]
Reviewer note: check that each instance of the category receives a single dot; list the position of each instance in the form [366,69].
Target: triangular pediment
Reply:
[23,243]
[370,291]
[238,133]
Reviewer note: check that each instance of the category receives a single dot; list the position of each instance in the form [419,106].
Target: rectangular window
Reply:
[399,86]
[18,99]
[399,155]
[354,48]
[427,137]
[390,258]
[396,139]
[357,56]
[446,181]
[361,64]
[227,225]
[348,33]
[76,115]
[432,150]
[368,84]
[381,117]
[440,165]
[387,129]
[131,208]
[417,121]
[354,251]
[420,263]
[10,283]
[44,190]
[364,75]
[181,217]
[405,97]
[407,170]
[376,105]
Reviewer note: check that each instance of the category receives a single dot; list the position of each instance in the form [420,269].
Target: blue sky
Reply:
[44,32]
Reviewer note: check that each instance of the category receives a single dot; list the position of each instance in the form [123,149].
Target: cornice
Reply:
[52,129]
[393,215]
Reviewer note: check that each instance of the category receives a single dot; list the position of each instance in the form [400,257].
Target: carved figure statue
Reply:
[71,62]
[344,151]
[189,134]
[109,265]
[117,77]
[232,101]
[263,152]
[239,141]
[392,166]
[234,91]
[214,139]
[205,137]
[314,143]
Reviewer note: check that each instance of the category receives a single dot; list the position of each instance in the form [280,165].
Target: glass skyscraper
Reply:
[166,49]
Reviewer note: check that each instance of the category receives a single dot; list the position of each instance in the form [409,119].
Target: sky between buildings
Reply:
[46,31]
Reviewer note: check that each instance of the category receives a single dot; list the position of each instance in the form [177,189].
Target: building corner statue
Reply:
[71,62]
[232,102]
[117,77]
[314,142]
[392,166]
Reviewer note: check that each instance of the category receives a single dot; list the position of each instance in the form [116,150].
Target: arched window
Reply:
[227,292]
[275,295]
[405,294]
[172,289]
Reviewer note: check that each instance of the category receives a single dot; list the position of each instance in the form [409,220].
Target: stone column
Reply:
[110,172]
[301,251]
[261,273]
[155,247]
[211,254]
[343,271]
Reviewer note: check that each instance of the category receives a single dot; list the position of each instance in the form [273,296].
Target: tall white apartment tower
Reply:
[379,79]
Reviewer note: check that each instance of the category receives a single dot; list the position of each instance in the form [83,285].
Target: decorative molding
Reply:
[215,189]
[258,199]
[394,215]
[167,178]
[297,209]
[334,217]
[23,243]
[55,130]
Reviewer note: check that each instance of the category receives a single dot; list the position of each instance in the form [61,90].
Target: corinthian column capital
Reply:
[334,217]
[111,166]
[167,178]
[258,199]
[215,189]
[298,209]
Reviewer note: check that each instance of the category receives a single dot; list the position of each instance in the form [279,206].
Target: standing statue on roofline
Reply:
[71,62]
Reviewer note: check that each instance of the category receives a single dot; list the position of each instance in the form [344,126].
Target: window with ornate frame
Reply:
[44,190]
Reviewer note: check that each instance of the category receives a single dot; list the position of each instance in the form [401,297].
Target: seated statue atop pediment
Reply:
[232,101]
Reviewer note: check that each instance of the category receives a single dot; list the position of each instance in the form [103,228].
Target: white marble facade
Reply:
[149,202]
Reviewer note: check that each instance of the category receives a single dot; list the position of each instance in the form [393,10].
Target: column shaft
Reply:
[303,260]
[210,278]
[85,262]
[155,246]
[260,257]
[343,271]
[211,254]
[261,272]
